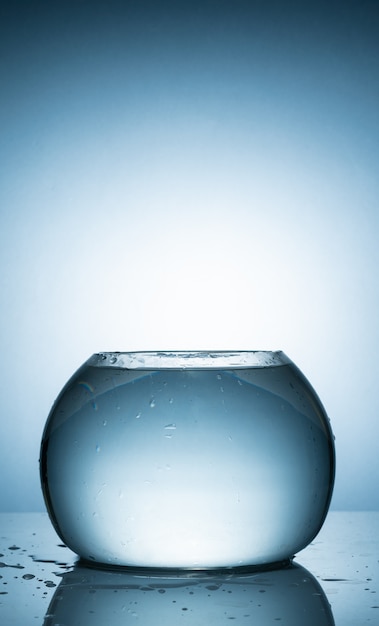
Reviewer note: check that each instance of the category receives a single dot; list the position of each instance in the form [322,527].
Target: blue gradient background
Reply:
[189,175]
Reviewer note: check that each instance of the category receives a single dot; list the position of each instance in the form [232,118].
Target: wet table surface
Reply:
[335,580]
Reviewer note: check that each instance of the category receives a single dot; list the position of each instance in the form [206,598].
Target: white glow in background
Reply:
[189,179]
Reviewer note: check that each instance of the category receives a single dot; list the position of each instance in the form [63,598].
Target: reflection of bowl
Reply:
[193,460]
[94,597]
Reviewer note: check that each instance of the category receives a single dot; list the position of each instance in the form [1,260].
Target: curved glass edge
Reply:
[183,359]
[185,572]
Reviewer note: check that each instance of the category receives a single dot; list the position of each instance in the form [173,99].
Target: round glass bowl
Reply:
[187,460]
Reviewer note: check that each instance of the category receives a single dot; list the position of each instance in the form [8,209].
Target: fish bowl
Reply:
[187,460]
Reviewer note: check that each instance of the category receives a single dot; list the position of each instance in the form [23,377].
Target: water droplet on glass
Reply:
[113,360]
[98,448]
[170,427]
[171,400]
[105,422]
[152,403]
[138,415]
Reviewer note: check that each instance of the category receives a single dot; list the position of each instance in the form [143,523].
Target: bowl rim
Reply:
[189,359]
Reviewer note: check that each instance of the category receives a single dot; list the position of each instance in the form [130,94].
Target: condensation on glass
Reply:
[187,460]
